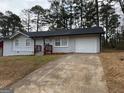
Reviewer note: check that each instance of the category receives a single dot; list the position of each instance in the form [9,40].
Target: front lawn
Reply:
[113,65]
[15,68]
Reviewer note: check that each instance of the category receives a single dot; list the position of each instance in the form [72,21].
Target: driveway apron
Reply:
[76,73]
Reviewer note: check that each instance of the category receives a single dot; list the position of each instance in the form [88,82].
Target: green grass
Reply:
[45,58]
[16,67]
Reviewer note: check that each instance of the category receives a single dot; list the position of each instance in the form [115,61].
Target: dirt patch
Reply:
[17,67]
[113,64]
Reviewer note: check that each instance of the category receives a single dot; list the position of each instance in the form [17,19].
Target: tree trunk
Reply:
[70,16]
[106,30]
[38,22]
[81,13]
[28,21]
[97,12]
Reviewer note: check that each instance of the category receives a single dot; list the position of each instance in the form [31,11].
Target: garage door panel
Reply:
[87,45]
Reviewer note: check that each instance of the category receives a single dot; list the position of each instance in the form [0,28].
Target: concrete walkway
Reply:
[77,73]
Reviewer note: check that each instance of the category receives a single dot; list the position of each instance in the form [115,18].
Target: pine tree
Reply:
[109,20]
[90,15]
[38,11]
[10,23]
[26,20]
[97,12]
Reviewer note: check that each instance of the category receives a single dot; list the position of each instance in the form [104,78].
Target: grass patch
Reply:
[113,66]
[15,68]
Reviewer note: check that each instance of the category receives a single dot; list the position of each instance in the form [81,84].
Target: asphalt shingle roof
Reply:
[65,32]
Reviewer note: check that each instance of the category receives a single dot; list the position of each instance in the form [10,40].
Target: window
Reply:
[61,42]
[48,41]
[57,42]
[28,42]
[64,42]
[16,42]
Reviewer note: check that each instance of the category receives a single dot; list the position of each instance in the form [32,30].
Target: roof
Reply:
[18,32]
[66,32]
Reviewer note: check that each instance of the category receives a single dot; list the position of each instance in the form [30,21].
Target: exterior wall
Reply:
[10,49]
[39,41]
[69,49]
[72,43]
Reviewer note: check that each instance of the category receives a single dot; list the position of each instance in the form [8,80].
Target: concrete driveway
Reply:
[77,73]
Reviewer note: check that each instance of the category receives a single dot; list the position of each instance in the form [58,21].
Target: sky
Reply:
[16,6]
[119,12]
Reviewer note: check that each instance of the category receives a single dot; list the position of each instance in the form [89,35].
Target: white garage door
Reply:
[87,45]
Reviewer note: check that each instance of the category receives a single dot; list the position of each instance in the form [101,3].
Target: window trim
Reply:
[61,42]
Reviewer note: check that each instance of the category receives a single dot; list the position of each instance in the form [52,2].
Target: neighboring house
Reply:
[80,40]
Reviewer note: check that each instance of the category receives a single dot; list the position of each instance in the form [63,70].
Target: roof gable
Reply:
[17,33]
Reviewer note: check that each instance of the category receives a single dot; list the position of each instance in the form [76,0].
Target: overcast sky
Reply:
[17,5]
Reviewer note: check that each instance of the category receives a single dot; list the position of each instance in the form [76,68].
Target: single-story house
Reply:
[82,40]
